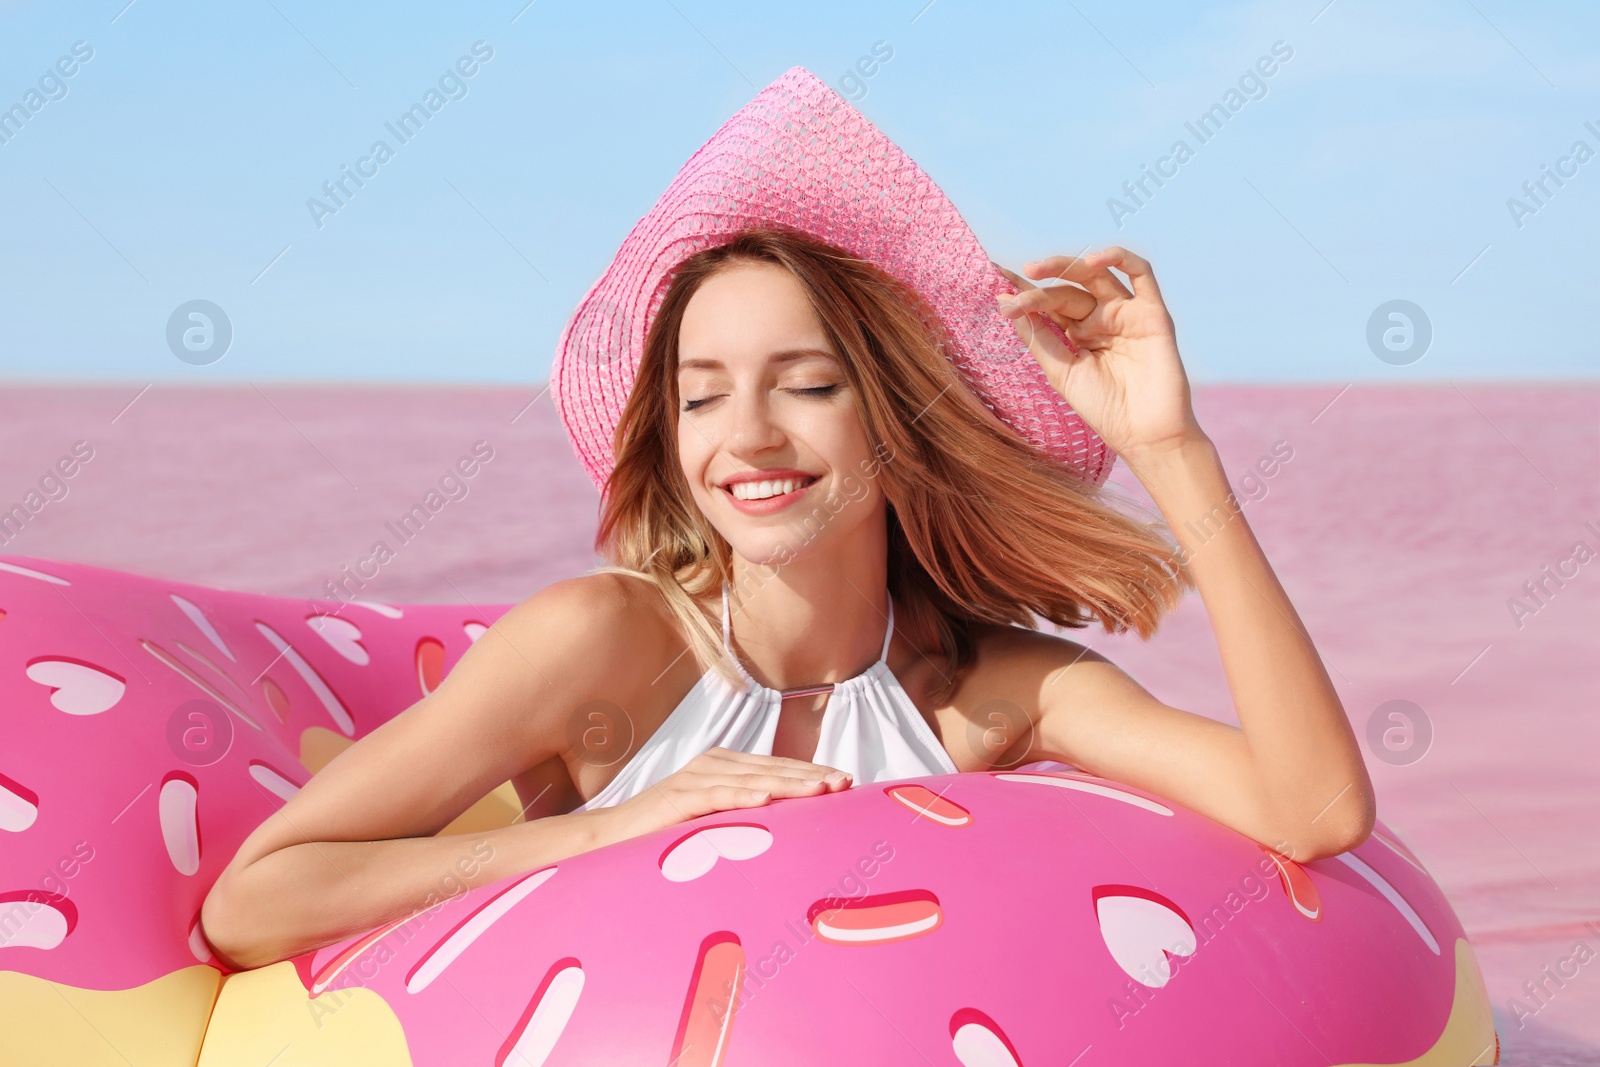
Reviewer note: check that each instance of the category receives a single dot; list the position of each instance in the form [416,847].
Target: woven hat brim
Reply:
[800,156]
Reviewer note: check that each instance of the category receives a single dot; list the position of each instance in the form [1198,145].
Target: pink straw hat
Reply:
[799,156]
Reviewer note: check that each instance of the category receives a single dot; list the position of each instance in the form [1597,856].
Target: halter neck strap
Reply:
[824,687]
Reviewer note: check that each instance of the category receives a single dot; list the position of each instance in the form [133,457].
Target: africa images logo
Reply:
[1251,85]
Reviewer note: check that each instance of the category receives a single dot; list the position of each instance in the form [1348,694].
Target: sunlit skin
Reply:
[760,388]
[1292,776]
[352,850]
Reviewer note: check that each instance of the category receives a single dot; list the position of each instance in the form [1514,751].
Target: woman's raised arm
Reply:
[1292,775]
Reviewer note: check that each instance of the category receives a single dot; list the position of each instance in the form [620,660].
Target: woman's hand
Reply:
[1292,772]
[1125,378]
[718,780]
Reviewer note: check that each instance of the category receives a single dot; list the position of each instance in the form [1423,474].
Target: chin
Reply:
[765,551]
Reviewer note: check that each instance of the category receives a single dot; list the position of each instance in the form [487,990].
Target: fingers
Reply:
[779,776]
[775,764]
[781,785]
[1058,301]
[1136,267]
[1055,356]
[683,806]
[721,779]
[692,795]
[723,797]
[1100,282]
[1097,265]
[1013,277]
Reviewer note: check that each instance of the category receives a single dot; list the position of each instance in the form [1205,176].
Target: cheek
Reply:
[837,437]
[694,459]
[693,453]
[855,488]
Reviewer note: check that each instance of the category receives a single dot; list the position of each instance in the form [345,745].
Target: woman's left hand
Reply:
[1126,380]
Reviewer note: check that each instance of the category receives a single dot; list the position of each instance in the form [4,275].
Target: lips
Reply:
[771,503]
[764,474]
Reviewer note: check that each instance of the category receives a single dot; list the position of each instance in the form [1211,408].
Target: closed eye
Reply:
[818,391]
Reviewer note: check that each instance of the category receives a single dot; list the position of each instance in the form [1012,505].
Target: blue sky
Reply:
[1374,164]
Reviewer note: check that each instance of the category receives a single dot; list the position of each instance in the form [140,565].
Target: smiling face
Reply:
[768,430]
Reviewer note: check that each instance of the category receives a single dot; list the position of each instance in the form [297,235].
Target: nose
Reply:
[751,429]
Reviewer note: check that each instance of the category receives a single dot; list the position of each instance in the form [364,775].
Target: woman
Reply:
[800,454]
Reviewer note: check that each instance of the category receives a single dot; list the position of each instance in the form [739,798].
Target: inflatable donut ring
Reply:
[1013,918]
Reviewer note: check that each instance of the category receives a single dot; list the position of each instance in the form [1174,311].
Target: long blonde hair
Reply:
[981,526]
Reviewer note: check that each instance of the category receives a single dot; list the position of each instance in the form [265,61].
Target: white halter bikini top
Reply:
[870,727]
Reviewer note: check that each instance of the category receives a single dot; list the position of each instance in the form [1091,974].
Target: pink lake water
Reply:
[1403,524]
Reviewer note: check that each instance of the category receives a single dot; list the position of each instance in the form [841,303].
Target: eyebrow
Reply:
[787,355]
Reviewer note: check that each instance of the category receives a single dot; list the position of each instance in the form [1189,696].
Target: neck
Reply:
[811,621]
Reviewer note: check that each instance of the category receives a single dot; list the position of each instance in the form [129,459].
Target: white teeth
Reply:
[763,490]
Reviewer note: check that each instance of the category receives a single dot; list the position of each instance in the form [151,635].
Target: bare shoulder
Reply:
[1020,682]
[575,640]
[1041,673]
[602,637]
[592,641]
[502,713]
[589,620]
[1021,661]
